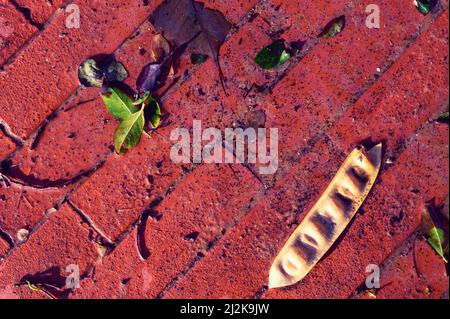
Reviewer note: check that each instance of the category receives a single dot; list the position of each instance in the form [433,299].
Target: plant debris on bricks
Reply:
[333,28]
[131,116]
[425,6]
[273,55]
[182,20]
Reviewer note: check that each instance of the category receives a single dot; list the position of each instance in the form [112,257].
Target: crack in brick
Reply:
[4,127]
[105,241]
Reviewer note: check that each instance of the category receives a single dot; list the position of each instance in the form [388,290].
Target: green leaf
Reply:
[129,132]
[142,99]
[333,28]
[118,103]
[436,239]
[198,58]
[425,6]
[273,55]
[155,112]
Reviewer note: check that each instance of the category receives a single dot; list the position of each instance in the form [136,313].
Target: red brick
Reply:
[116,195]
[187,222]
[63,240]
[40,10]
[102,31]
[71,144]
[23,207]
[237,267]
[410,93]
[414,271]
[81,132]
[388,216]
[238,54]
[14,31]
[122,274]
[6,145]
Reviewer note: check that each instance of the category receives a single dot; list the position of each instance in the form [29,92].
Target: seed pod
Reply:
[328,218]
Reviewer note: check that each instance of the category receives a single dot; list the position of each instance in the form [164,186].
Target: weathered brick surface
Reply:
[14,31]
[22,207]
[414,271]
[319,89]
[407,95]
[40,10]
[62,241]
[6,145]
[214,231]
[126,185]
[390,213]
[183,227]
[233,10]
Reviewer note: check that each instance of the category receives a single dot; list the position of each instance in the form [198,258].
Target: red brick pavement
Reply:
[140,226]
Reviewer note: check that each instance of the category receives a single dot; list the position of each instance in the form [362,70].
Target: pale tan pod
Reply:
[328,218]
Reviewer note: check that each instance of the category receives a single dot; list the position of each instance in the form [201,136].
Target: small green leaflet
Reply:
[333,28]
[155,112]
[436,240]
[273,55]
[425,6]
[129,132]
[443,118]
[132,119]
[198,58]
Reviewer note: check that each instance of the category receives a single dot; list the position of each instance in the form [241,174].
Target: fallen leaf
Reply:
[273,55]
[129,132]
[333,28]
[433,227]
[150,77]
[115,71]
[436,238]
[142,99]
[155,112]
[160,48]
[181,20]
[197,59]
[425,6]
[118,104]
[91,73]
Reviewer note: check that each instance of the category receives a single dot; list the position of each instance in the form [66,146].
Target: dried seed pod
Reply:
[328,218]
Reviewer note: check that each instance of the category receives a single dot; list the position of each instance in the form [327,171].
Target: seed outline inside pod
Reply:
[328,218]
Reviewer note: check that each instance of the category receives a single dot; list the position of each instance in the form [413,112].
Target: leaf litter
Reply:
[179,21]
